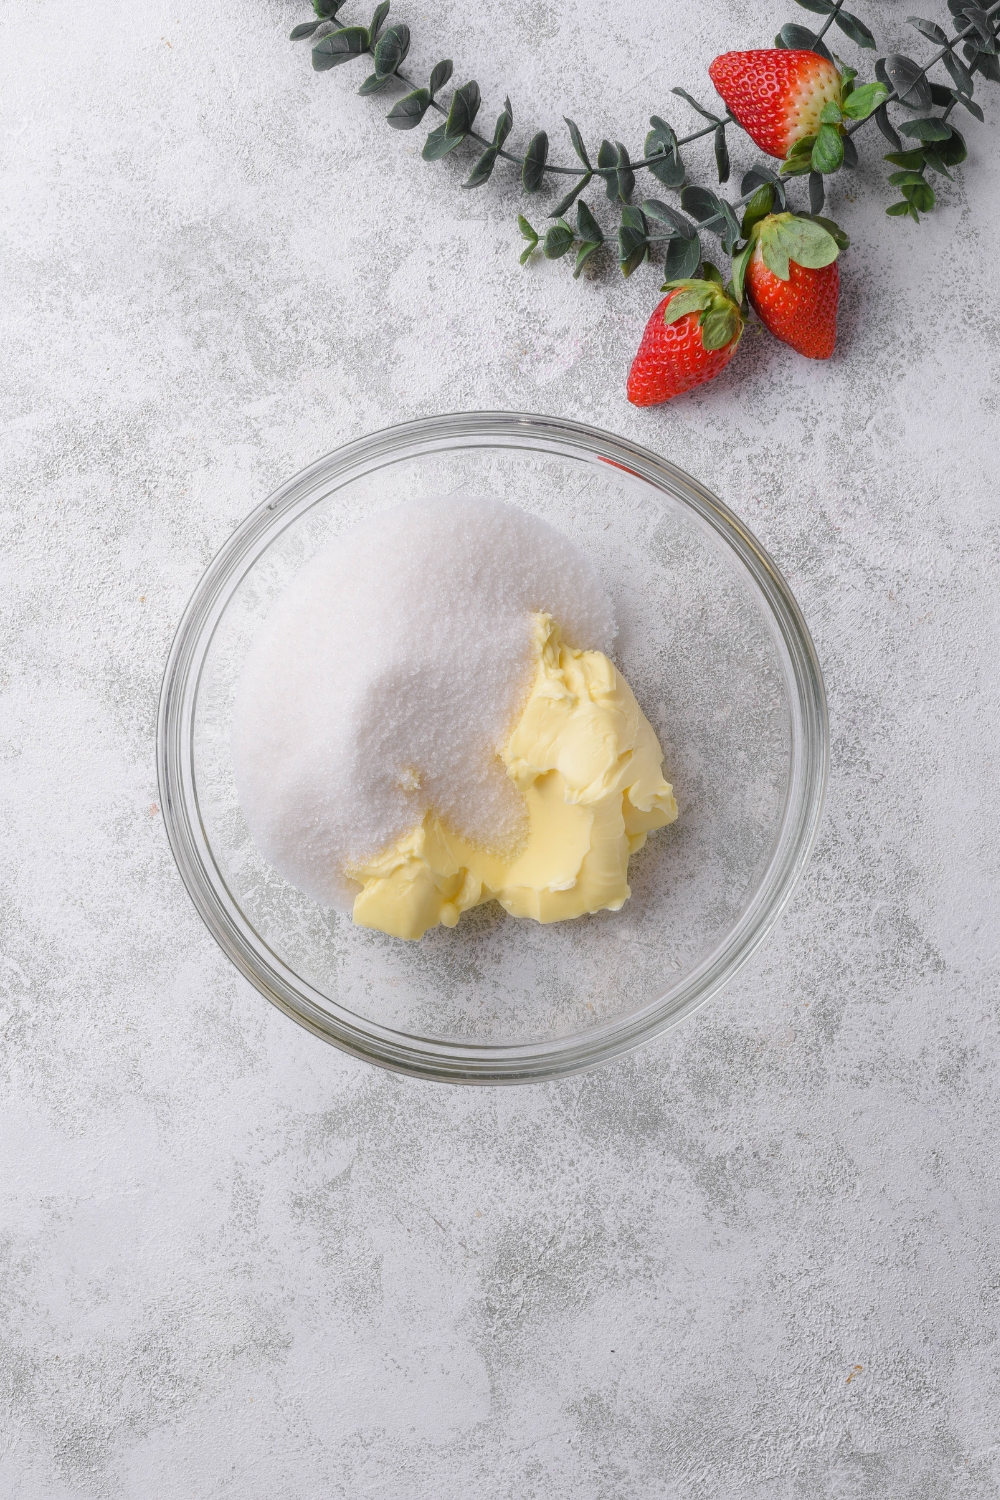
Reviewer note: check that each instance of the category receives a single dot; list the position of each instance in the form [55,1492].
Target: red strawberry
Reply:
[776,95]
[690,338]
[789,268]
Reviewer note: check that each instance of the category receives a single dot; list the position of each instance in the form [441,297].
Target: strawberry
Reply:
[690,338]
[777,96]
[789,269]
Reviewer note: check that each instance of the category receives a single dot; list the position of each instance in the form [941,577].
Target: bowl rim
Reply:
[437,1058]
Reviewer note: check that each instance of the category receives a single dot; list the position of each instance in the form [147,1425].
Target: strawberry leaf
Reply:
[692,299]
[865,100]
[807,243]
[719,328]
[740,264]
[758,208]
[828,152]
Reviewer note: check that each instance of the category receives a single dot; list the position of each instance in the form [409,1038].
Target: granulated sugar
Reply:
[389,674]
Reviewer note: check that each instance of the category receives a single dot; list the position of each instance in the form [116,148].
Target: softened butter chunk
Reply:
[589,767]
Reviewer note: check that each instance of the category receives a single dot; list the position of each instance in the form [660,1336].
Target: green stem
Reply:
[949,46]
[829,21]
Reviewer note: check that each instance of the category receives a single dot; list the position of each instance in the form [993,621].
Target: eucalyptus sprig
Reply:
[923,109]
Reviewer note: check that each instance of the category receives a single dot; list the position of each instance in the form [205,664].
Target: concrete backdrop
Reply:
[757,1259]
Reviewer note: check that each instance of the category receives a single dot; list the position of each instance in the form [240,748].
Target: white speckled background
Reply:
[760,1258]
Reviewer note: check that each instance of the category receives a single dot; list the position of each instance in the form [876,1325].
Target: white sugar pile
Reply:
[388,675]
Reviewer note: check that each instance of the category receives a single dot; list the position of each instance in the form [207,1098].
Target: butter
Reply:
[588,765]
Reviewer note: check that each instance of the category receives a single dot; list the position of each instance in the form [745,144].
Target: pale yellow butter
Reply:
[588,765]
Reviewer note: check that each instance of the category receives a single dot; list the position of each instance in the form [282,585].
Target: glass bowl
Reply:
[719,657]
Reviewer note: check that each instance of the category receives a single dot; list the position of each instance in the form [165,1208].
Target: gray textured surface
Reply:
[236,1263]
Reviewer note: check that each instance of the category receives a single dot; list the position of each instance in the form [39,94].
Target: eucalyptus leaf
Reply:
[381,11]
[818,7]
[926,130]
[662,141]
[941,96]
[682,259]
[464,108]
[907,79]
[339,47]
[885,125]
[654,209]
[526,229]
[817,192]
[912,161]
[483,170]
[850,152]
[391,49]
[799,38]
[930,30]
[896,210]
[952,152]
[306,29]
[558,239]
[632,245]
[704,205]
[584,253]
[504,124]
[851,26]
[626,177]
[960,75]
[970,104]
[705,113]
[979,18]
[577,139]
[903,179]
[607,157]
[533,170]
[440,74]
[372,84]
[410,110]
[920,194]
[327,9]
[439,143]
[721,154]
[587,227]
[988,66]
[936,164]
[566,203]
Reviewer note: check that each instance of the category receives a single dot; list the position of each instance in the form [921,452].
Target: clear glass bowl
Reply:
[716,650]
